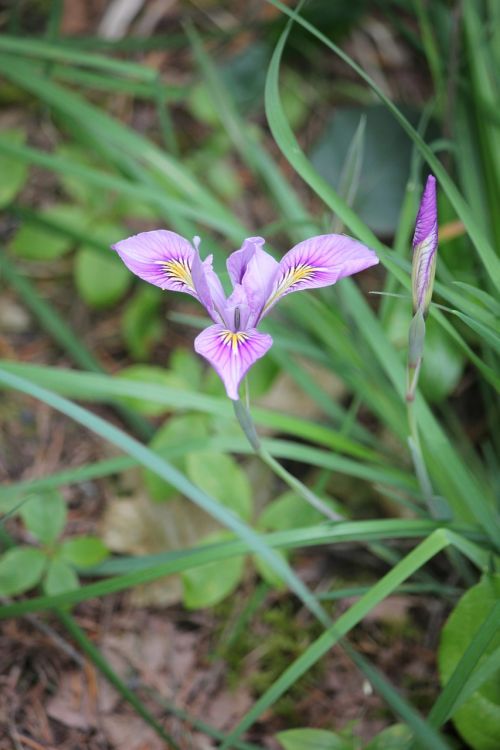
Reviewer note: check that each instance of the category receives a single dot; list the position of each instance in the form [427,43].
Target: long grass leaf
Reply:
[480,240]
[169,473]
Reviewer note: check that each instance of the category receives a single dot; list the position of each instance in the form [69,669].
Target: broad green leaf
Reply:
[397,737]
[45,516]
[221,477]
[83,552]
[289,511]
[177,430]
[20,569]
[313,739]
[35,242]
[13,172]
[478,719]
[60,577]
[141,323]
[155,376]
[209,584]
[101,278]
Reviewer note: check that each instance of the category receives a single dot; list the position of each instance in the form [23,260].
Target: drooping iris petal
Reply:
[425,242]
[318,262]
[231,353]
[160,257]
[255,270]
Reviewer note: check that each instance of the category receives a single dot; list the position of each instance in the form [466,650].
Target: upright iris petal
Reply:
[320,261]
[232,345]
[425,242]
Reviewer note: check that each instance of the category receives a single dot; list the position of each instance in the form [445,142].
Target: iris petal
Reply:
[231,353]
[160,257]
[318,262]
[254,270]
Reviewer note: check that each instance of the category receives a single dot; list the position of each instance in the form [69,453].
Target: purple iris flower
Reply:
[425,242]
[233,343]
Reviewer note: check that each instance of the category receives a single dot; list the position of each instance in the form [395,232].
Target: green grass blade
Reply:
[415,560]
[251,151]
[127,572]
[43,50]
[169,473]
[97,387]
[479,238]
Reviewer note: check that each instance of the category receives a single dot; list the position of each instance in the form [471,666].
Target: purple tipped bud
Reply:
[425,242]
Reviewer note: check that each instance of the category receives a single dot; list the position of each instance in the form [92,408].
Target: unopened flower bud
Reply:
[425,242]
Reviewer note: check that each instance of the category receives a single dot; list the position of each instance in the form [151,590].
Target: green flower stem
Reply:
[247,425]
[418,459]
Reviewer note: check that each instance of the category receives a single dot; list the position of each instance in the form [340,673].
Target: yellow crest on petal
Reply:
[295,274]
[178,270]
[233,339]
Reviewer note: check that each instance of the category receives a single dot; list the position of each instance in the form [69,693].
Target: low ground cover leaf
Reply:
[83,551]
[100,277]
[397,737]
[221,477]
[313,739]
[44,515]
[141,323]
[60,577]
[177,430]
[34,242]
[209,584]
[21,568]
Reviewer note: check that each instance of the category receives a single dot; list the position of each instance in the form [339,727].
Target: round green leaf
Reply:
[21,568]
[60,578]
[44,515]
[397,737]
[13,171]
[478,719]
[220,476]
[313,739]
[209,584]
[155,376]
[142,323]
[289,511]
[100,276]
[174,432]
[83,552]
[35,242]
